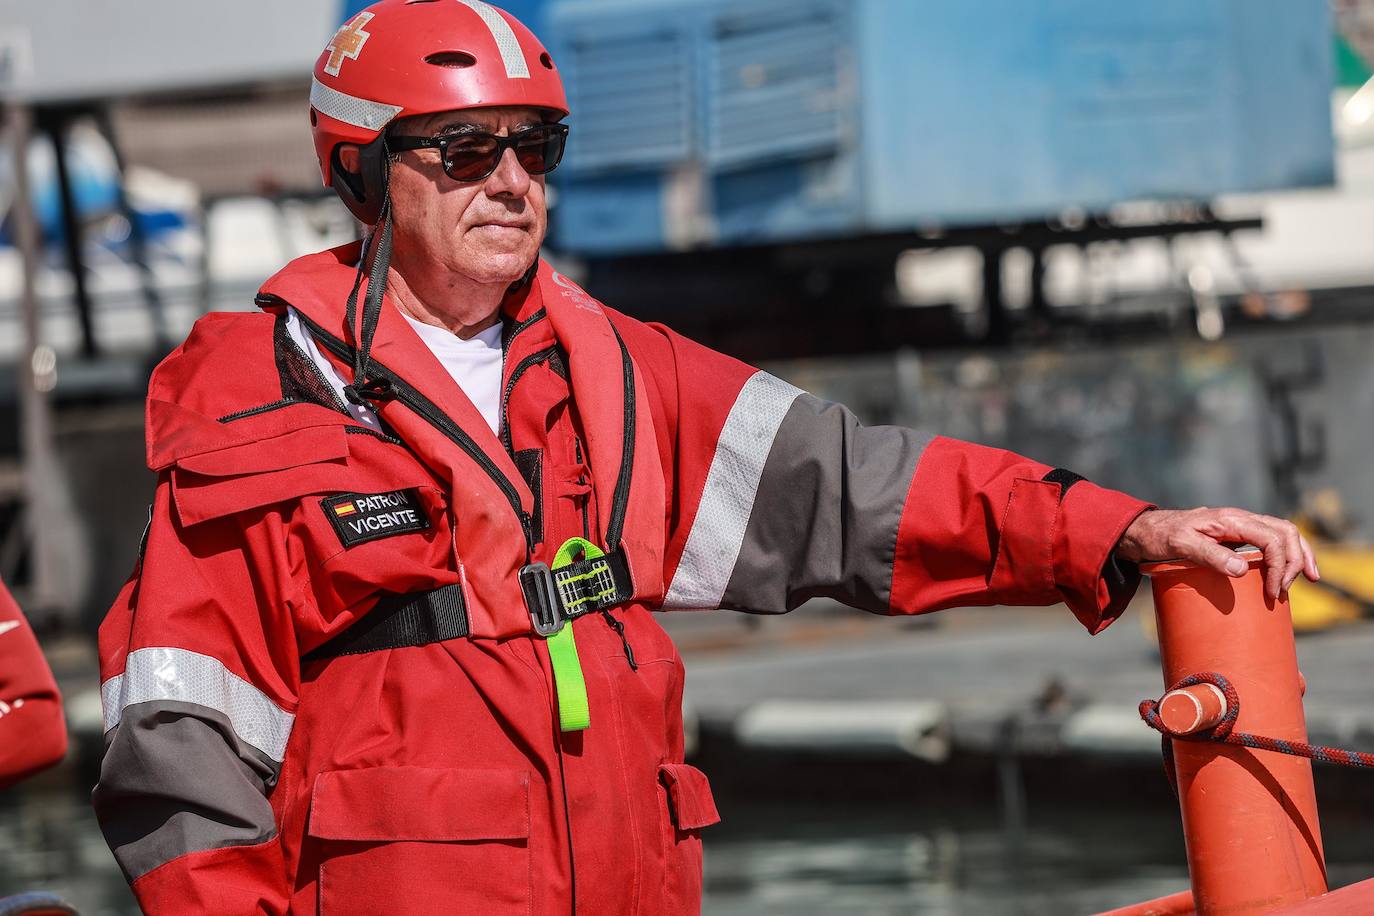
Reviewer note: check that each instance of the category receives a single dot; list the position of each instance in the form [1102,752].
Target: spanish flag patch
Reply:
[361,517]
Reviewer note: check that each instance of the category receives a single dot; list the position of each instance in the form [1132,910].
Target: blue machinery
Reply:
[738,137]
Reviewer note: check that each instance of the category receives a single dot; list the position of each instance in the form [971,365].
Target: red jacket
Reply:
[33,733]
[269,750]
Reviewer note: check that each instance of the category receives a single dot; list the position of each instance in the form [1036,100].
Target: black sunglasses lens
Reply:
[471,158]
[539,150]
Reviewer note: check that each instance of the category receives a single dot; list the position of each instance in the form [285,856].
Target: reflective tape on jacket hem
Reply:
[166,673]
[727,500]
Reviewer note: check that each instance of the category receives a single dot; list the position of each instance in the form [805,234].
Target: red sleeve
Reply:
[33,734]
[199,686]
[987,526]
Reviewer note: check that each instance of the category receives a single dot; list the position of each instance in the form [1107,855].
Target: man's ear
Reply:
[348,156]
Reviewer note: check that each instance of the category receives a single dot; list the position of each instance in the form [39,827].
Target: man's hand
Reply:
[1196,535]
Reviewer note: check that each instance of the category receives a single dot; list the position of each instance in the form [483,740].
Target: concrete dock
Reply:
[828,679]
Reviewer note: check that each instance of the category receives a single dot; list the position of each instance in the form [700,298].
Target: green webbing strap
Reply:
[573,712]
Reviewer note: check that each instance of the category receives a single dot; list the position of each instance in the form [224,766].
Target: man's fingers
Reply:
[1287,554]
[1309,560]
[1208,552]
[1246,526]
[1294,556]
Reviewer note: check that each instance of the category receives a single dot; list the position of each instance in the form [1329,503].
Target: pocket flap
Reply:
[693,805]
[381,804]
[304,446]
[199,499]
[242,477]
[1023,572]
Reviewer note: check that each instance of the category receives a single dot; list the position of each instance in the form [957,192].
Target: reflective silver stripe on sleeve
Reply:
[506,42]
[350,109]
[732,482]
[164,673]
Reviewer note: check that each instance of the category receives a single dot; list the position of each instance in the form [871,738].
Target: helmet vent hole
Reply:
[458,59]
[413,2]
[314,118]
[546,60]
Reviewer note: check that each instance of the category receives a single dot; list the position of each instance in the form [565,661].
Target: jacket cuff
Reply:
[231,879]
[1093,582]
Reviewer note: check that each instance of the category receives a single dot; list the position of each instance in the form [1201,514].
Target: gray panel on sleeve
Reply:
[824,522]
[177,779]
[727,499]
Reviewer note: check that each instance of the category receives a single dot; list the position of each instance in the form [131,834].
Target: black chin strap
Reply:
[365,391]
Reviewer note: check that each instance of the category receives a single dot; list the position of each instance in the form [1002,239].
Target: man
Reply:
[391,645]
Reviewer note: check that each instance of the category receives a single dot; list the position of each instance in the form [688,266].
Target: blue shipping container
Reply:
[707,122]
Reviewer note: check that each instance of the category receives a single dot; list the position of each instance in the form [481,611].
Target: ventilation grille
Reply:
[776,82]
[631,101]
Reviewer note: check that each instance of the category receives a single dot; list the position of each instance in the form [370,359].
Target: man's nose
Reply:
[509,179]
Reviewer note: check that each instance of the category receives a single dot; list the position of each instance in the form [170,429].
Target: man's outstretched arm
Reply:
[778,496]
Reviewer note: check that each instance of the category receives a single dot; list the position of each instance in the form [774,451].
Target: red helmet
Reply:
[399,58]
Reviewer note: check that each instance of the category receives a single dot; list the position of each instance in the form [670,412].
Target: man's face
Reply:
[488,230]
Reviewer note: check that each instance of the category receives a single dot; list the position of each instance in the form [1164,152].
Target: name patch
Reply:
[362,517]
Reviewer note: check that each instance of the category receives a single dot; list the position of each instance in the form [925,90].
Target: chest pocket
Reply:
[360,515]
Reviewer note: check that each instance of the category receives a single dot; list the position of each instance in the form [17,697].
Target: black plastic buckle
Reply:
[373,391]
[541,598]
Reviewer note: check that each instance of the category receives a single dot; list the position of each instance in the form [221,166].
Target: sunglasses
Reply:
[472,156]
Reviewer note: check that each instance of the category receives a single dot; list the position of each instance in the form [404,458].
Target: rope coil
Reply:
[1223,732]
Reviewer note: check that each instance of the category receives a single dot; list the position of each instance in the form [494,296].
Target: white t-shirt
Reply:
[475,365]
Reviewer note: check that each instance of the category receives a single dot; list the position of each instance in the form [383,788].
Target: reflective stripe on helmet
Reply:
[506,42]
[350,109]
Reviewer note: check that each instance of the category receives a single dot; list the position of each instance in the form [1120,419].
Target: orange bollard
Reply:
[1249,816]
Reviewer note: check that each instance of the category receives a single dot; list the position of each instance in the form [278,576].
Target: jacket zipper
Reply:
[619,628]
[265,408]
[622,484]
[534,319]
[627,457]
[558,745]
[586,524]
[375,433]
[524,365]
[430,413]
